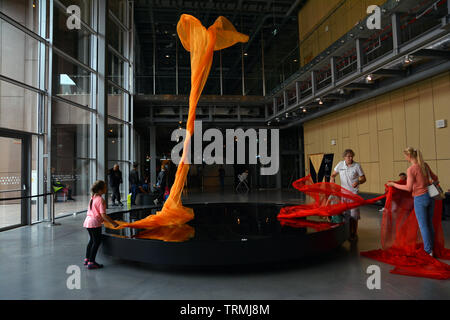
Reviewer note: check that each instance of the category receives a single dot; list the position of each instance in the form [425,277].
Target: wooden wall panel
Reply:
[398,124]
[441,104]
[386,153]
[427,142]
[384,116]
[443,173]
[373,134]
[412,117]
[378,130]
[364,149]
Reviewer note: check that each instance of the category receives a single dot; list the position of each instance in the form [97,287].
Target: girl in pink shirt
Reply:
[417,182]
[93,223]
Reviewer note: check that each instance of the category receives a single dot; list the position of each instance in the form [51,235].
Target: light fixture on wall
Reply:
[408,59]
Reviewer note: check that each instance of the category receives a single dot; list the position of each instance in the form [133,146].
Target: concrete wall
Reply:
[378,130]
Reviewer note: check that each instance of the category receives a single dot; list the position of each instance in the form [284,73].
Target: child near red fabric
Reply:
[96,215]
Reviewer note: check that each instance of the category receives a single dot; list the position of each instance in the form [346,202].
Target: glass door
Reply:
[13,181]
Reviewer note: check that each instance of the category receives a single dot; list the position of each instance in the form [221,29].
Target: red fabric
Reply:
[302,223]
[326,199]
[401,242]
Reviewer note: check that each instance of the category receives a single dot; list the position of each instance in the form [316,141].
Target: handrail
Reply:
[26,197]
[18,190]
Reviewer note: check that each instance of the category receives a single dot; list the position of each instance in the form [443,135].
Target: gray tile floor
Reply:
[34,261]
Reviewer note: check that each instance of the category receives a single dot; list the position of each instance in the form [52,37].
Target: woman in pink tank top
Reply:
[418,180]
[96,214]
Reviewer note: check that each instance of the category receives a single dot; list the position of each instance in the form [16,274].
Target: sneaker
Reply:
[86,261]
[121,204]
[155,201]
[94,265]
[114,205]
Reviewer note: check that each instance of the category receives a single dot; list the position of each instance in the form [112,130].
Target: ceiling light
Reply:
[246,54]
[304,109]
[167,56]
[369,78]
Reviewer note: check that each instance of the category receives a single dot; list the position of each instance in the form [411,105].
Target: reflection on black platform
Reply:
[218,222]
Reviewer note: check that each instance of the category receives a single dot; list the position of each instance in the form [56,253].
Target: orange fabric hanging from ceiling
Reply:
[201,43]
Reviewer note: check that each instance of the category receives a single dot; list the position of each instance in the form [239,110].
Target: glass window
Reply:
[70,131]
[116,140]
[118,8]
[18,108]
[115,36]
[85,8]
[26,12]
[19,55]
[115,71]
[71,182]
[125,169]
[10,181]
[117,102]
[75,42]
[71,81]
[71,142]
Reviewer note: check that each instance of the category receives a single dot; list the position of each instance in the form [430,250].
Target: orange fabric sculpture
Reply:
[201,43]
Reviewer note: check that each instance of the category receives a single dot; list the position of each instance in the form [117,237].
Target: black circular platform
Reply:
[225,234]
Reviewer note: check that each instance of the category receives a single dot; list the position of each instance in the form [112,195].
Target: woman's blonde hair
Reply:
[416,154]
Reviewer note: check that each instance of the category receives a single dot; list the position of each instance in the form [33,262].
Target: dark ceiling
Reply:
[274,22]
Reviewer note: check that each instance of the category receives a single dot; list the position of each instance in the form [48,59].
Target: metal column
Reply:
[359,54]
[396,32]
[102,107]
[243,70]
[152,155]
[221,73]
[263,67]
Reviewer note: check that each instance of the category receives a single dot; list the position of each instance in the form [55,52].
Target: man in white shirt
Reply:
[351,175]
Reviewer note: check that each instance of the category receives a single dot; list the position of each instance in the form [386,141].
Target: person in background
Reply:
[160,187]
[58,186]
[115,179]
[417,182]
[95,217]
[133,179]
[352,176]
[402,177]
[144,187]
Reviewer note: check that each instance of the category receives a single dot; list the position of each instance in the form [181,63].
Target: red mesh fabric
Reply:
[301,223]
[324,199]
[401,242]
